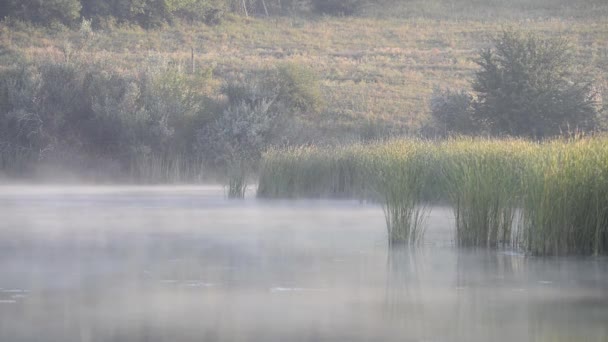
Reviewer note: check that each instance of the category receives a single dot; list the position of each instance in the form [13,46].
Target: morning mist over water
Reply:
[187,264]
[303,170]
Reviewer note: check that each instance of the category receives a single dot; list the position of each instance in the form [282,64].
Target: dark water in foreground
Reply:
[184,264]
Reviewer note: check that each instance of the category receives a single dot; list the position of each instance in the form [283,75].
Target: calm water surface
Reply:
[185,264]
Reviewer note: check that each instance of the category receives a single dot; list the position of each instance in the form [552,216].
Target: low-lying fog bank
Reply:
[97,263]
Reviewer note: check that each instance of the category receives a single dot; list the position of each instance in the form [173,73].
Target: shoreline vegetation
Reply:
[337,98]
[547,198]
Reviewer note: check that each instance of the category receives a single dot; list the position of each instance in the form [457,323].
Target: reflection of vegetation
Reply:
[560,187]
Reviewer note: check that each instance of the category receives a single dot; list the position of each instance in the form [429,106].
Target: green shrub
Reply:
[528,86]
[44,11]
[21,137]
[145,124]
[235,141]
[452,112]
[292,87]
[211,12]
[299,87]
[336,7]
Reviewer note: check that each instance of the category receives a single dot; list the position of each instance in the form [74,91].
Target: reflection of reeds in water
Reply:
[487,293]
[404,294]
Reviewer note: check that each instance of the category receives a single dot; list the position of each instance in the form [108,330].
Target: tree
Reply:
[528,86]
[236,139]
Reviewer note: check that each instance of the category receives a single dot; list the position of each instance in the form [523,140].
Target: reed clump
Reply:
[482,179]
[393,173]
[547,198]
[565,207]
[312,172]
[399,173]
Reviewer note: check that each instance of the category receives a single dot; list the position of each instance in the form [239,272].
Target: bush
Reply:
[528,86]
[211,12]
[336,7]
[293,87]
[44,11]
[147,13]
[234,142]
[452,112]
[299,86]
[68,109]
[20,127]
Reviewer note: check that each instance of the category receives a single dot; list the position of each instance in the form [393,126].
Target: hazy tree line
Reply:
[151,13]
[153,125]
[158,123]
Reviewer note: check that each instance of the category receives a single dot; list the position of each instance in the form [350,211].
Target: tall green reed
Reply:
[482,180]
[566,198]
[399,173]
[546,198]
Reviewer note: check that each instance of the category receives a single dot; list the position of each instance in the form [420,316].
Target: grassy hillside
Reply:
[377,70]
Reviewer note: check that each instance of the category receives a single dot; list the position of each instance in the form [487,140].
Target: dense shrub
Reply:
[147,13]
[42,11]
[153,125]
[211,12]
[259,106]
[293,87]
[299,86]
[336,7]
[452,112]
[528,86]
[235,141]
[128,119]
[20,127]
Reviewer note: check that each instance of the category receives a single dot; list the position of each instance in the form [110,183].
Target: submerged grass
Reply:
[547,198]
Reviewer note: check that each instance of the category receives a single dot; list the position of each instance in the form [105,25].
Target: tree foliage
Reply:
[528,86]
[336,7]
[452,112]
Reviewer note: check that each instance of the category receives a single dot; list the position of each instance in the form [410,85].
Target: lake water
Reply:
[185,264]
